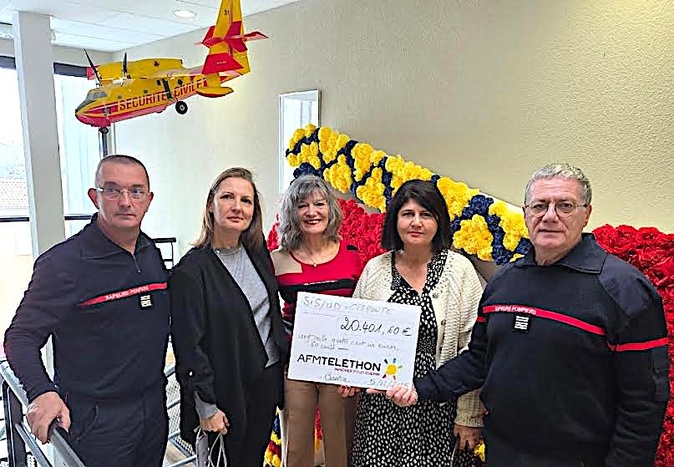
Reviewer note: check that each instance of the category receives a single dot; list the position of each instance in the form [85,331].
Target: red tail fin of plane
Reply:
[207,40]
[227,41]
[233,38]
[220,63]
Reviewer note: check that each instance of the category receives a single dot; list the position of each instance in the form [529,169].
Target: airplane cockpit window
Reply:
[92,96]
[96,94]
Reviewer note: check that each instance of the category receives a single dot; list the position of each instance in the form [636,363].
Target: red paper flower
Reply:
[652,252]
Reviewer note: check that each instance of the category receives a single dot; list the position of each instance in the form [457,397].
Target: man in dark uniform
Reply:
[570,346]
[101,295]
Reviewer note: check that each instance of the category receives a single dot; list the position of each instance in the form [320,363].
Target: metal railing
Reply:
[19,436]
[172,407]
[21,442]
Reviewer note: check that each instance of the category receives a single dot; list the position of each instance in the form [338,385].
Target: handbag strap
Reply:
[219,444]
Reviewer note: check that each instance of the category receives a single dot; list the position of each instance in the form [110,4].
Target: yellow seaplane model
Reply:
[129,89]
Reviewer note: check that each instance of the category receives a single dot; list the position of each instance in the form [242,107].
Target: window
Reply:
[78,148]
[79,153]
[15,247]
[297,110]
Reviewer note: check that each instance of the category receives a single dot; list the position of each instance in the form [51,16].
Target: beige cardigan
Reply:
[455,301]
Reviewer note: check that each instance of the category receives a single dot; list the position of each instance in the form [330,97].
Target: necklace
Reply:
[228,251]
[325,253]
[311,258]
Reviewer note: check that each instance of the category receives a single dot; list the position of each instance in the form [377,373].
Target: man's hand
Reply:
[43,410]
[217,422]
[469,437]
[401,395]
[347,391]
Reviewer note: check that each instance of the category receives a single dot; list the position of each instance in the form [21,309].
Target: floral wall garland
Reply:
[481,225]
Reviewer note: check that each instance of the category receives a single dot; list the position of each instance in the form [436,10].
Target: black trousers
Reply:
[130,432]
[503,454]
[246,448]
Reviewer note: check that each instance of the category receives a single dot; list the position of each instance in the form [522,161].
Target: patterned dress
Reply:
[420,435]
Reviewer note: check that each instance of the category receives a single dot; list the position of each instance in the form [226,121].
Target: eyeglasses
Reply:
[563,209]
[110,192]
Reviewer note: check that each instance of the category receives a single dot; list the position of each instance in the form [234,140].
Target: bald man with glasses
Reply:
[570,346]
[101,295]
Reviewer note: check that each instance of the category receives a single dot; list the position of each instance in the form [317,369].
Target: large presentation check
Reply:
[353,342]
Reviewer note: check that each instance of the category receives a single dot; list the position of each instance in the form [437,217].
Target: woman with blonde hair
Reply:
[227,329]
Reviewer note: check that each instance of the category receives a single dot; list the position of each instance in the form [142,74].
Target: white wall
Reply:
[485,92]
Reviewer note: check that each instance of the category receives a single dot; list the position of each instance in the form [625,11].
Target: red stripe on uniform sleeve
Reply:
[481,319]
[638,346]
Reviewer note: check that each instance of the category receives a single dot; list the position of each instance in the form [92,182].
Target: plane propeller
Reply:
[125,69]
[94,69]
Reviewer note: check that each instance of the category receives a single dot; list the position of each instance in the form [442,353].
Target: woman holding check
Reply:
[312,258]
[420,270]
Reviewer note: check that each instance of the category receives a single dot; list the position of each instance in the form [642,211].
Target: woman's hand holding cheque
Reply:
[403,396]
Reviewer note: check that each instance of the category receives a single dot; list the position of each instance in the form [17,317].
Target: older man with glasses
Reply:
[570,346]
[101,295]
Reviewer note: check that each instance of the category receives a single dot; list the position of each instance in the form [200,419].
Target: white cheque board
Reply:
[353,342]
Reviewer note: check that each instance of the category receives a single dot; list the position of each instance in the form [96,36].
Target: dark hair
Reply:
[290,233]
[429,197]
[119,159]
[252,237]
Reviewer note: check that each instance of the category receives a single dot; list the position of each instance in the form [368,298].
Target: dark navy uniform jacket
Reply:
[571,357]
[108,313]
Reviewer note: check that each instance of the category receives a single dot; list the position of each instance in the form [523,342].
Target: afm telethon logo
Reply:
[391,369]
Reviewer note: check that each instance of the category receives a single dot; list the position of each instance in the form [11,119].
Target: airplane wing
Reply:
[190,72]
[107,72]
[145,68]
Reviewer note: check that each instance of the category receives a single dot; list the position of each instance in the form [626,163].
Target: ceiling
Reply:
[114,25]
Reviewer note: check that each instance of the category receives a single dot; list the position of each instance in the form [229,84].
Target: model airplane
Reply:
[129,89]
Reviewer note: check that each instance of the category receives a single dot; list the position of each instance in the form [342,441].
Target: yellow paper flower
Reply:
[474,237]
[339,175]
[480,451]
[512,224]
[395,165]
[361,160]
[457,195]
[376,157]
[301,133]
[293,160]
[326,143]
[372,192]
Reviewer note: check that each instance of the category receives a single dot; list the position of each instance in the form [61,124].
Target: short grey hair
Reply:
[289,230]
[118,159]
[562,170]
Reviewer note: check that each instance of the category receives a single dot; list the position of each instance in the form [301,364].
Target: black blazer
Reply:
[218,349]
